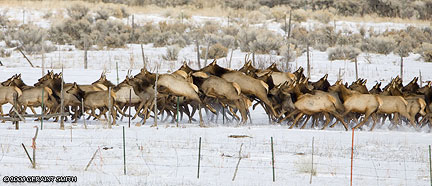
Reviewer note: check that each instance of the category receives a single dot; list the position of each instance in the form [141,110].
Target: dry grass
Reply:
[216,11]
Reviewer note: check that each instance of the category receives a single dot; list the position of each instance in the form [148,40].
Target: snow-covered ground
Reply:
[167,155]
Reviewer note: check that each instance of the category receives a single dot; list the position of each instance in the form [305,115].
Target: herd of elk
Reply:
[285,97]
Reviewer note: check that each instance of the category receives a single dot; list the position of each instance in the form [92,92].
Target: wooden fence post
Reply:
[155,97]
[178,103]
[34,147]
[85,54]
[117,72]
[124,151]
[421,78]
[31,64]
[310,182]
[109,108]
[401,68]
[15,106]
[356,68]
[42,105]
[198,53]
[352,156]
[143,56]
[199,157]
[91,159]
[273,164]
[130,105]
[62,103]
[83,112]
[430,165]
[308,61]
[28,155]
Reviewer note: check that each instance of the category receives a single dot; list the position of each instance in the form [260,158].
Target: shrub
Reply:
[216,51]
[323,16]
[171,53]
[227,41]
[77,11]
[287,53]
[403,49]
[299,15]
[343,53]
[265,42]
[30,38]
[255,17]
[381,45]
[279,13]
[4,53]
[425,50]
[246,36]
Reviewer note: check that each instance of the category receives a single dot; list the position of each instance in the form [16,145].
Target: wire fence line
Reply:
[290,157]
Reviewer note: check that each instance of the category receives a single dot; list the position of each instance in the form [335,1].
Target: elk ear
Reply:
[19,76]
[364,83]
[429,84]
[325,77]
[213,63]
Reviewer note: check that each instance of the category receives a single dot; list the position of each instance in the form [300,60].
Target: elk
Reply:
[353,101]
[8,94]
[175,85]
[101,100]
[308,104]
[249,85]
[228,93]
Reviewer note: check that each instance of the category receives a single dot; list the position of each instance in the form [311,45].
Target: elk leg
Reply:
[365,119]
[304,124]
[200,116]
[289,115]
[374,118]
[296,120]
[339,118]
[327,122]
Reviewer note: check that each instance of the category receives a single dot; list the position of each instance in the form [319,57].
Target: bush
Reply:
[279,13]
[255,17]
[425,50]
[287,53]
[216,51]
[265,42]
[299,15]
[343,53]
[77,11]
[30,38]
[171,53]
[323,16]
[4,53]
[381,45]
[246,36]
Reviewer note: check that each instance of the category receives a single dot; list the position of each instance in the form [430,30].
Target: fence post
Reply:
[310,182]
[421,79]
[352,155]
[356,67]
[109,108]
[34,147]
[130,105]
[42,105]
[199,157]
[401,68]
[117,72]
[198,53]
[143,56]
[16,122]
[308,61]
[430,165]
[83,112]
[28,155]
[178,102]
[155,98]
[273,165]
[223,115]
[61,103]
[124,151]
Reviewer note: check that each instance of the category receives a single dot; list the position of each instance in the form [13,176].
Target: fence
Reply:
[177,157]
